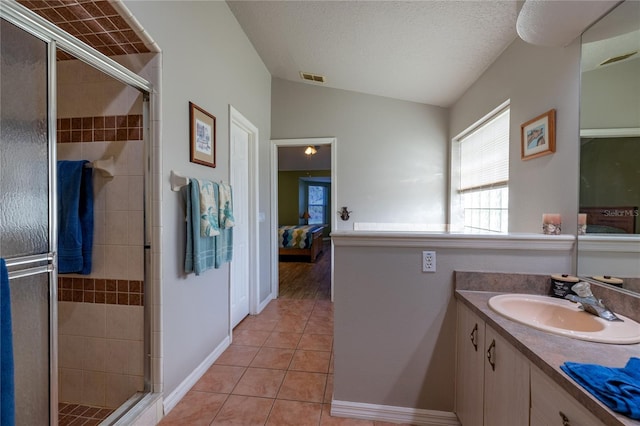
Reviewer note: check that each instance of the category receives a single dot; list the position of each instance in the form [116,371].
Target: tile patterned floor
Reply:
[278,372]
[85,415]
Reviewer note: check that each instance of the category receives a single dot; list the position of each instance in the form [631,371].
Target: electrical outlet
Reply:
[428,261]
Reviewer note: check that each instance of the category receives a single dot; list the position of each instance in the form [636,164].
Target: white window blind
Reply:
[484,155]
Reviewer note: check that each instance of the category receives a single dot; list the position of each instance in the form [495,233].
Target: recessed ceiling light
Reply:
[316,78]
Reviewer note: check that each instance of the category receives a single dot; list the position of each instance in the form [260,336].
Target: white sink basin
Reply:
[565,318]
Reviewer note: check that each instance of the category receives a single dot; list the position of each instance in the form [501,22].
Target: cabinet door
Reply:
[469,367]
[506,383]
[551,405]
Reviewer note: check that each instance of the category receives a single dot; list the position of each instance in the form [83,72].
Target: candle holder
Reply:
[582,223]
[551,224]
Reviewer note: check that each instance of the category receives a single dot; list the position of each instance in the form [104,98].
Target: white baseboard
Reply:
[387,413]
[174,397]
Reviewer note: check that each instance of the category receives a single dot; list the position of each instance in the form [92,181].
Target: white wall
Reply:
[611,96]
[394,325]
[394,337]
[536,79]
[391,154]
[206,59]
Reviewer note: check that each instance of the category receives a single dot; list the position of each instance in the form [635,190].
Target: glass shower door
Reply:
[26,219]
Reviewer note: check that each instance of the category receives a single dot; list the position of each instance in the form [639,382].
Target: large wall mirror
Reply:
[610,148]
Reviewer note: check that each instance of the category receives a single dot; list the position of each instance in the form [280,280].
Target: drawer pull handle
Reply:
[474,337]
[491,355]
[565,419]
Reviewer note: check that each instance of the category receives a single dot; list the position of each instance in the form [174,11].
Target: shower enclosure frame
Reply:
[56,38]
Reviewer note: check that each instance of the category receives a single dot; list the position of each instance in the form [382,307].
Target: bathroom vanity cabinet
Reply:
[551,406]
[492,377]
[502,377]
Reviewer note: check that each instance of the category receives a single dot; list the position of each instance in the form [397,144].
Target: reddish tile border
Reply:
[81,414]
[94,22]
[102,291]
[106,128]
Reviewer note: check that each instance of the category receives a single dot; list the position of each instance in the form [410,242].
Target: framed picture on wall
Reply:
[538,136]
[202,136]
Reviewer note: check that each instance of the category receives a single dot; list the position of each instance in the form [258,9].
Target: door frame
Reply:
[275,144]
[239,120]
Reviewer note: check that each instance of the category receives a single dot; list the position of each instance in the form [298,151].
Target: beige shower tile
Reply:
[117,194]
[99,226]
[124,357]
[118,388]
[117,356]
[94,354]
[70,385]
[136,193]
[116,149]
[116,262]
[135,264]
[93,388]
[135,358]
[124,322]
[136,227]
[99,193]
[117,224]
[93,151]
[82,319]
[69,151]
[70,349]
[98,267]
[135,163]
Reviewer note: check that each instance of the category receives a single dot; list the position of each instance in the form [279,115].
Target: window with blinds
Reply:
[484,175]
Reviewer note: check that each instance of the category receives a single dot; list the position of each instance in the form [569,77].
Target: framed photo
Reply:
[202,136]
[539,136]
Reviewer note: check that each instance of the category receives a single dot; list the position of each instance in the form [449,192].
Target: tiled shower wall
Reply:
[100,324]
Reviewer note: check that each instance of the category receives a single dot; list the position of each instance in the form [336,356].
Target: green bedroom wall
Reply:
[609,173]
[289,196]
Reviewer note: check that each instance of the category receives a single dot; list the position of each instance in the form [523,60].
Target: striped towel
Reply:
[208,211]
[225,206]
[200,252]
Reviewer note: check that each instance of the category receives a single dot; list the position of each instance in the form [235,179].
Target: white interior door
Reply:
[239,279]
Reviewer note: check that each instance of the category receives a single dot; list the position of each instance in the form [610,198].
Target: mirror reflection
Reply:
[610,149]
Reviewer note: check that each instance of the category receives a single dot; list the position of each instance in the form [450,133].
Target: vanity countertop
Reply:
[548,352]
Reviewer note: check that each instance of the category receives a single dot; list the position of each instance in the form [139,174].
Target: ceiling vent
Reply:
[313,77]
[618,58]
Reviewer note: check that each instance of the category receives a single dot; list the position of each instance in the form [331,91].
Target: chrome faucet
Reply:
[589,303]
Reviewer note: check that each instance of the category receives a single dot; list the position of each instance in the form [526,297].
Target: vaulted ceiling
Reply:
[422,51]
[427,51]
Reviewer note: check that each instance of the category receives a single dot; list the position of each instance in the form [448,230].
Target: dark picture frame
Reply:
[538,136]
[202,136]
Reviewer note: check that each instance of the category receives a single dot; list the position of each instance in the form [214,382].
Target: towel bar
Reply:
[24,260]
[30,271]
[105,166]
[177,181]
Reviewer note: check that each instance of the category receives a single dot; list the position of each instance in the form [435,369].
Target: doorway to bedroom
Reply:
[303,215]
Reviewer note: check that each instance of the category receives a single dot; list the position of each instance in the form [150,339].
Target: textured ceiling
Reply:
[423,51]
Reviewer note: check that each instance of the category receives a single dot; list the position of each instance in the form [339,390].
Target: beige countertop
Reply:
[548,352]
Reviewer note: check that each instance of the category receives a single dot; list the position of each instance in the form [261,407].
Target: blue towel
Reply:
[617,388]
[75,217]
[7,390]
[224,247]
[200,251]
